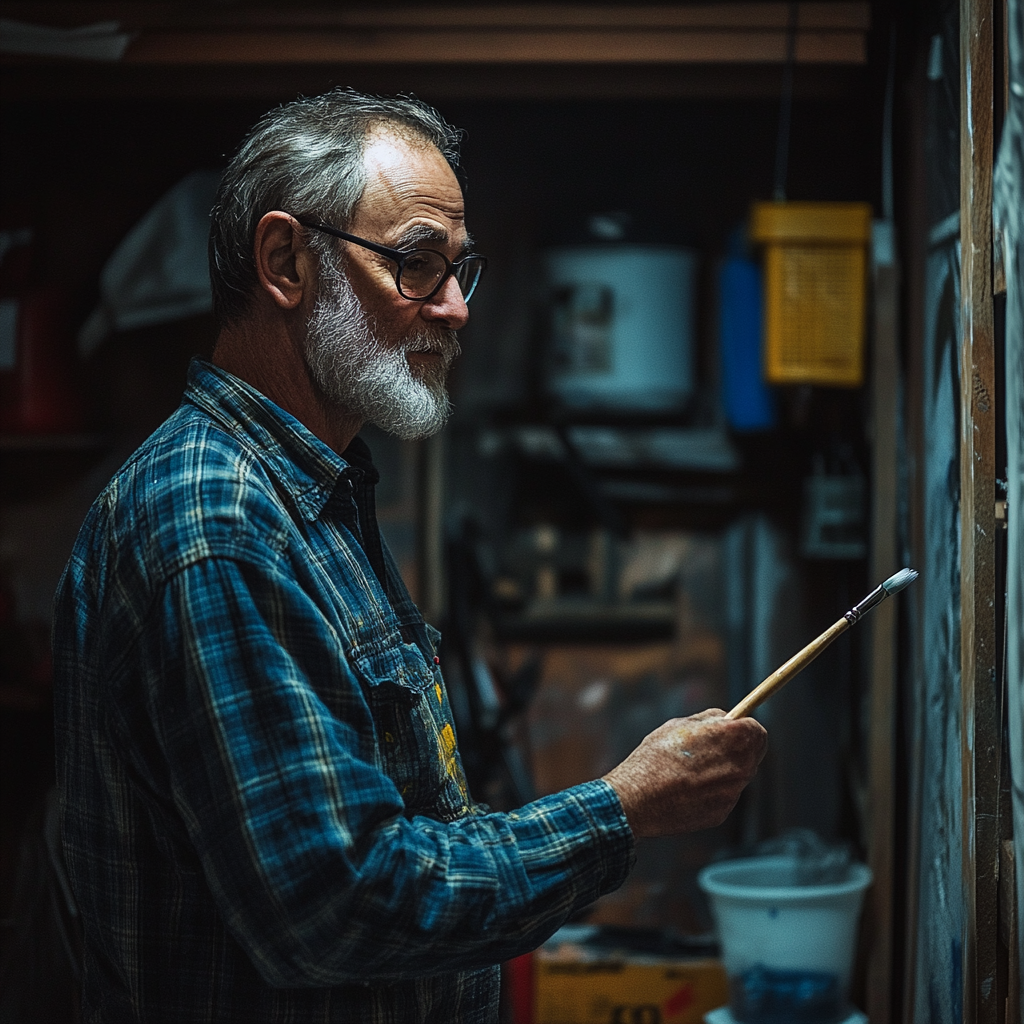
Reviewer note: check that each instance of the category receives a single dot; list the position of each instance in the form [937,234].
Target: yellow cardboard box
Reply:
[626,990]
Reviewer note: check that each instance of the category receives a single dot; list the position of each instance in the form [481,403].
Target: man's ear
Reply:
[284,263]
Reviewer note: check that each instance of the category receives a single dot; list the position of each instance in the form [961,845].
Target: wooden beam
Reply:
[1008,925]
[827,33]
[849,16]
[503,46]
[978,641]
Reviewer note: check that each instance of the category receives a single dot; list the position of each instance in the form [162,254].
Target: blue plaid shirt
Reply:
[264,812]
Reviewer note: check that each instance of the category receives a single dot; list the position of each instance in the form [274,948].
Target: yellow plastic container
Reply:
[815,280]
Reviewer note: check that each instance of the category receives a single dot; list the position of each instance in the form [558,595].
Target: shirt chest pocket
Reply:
[415,733]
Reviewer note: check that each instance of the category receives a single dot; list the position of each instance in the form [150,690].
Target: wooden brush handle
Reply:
[782,675]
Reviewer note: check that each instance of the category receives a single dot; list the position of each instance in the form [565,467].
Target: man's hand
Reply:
[688,773]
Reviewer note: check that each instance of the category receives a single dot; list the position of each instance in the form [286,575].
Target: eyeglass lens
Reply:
[468,274]
[422,270]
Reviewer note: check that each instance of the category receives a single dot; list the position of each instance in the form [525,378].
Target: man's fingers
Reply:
[758,736]
[709,713]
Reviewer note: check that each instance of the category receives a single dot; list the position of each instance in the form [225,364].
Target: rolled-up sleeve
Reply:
[264,742]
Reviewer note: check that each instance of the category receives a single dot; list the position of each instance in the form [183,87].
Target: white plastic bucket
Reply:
[772,928]
[622,325]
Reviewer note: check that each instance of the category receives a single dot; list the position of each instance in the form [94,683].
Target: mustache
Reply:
[445,345]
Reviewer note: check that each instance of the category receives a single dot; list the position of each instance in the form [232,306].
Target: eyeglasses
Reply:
[421,272]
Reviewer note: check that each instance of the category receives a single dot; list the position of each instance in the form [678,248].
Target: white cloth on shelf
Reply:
[159,272]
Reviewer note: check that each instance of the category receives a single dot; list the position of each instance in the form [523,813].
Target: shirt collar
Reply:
[306,467]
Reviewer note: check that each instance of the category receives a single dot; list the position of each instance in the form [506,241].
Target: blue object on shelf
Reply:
[749,402]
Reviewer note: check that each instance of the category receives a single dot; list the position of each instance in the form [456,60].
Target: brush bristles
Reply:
[894,584]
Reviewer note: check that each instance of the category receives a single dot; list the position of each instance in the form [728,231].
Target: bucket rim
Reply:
[861,877]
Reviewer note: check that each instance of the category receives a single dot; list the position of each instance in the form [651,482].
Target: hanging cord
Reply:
[890,81]
[785,108]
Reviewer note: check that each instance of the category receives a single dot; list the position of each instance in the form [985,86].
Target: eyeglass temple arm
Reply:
[392,254]
[381,250]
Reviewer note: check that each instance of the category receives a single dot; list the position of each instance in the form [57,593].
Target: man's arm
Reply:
[302,839]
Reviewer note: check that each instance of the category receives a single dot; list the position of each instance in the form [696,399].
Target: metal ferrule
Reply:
[876,597]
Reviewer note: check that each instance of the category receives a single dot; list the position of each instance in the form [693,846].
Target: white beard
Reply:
[362,375]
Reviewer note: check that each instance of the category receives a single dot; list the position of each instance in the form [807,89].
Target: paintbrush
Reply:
[782,675]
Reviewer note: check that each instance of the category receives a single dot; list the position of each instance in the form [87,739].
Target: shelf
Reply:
[652,492]
[582,619]
[701,450]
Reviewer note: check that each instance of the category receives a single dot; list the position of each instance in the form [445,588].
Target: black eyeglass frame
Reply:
[399,257]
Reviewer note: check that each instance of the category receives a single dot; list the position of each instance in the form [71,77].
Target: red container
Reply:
[519,988]
[39,395]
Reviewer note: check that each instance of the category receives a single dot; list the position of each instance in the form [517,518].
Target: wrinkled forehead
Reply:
[408,184]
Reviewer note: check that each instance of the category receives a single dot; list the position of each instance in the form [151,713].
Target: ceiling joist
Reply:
[723,33]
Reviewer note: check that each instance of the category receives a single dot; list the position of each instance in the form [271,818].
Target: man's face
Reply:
[372,352]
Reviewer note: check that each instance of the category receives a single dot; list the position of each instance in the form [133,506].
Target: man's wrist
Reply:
[627,797]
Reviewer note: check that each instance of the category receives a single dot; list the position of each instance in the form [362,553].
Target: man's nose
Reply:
[447,307]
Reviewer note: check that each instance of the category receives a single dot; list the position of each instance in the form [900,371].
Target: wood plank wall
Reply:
[980,735]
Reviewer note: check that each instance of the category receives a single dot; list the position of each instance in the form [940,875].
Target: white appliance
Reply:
[622,321]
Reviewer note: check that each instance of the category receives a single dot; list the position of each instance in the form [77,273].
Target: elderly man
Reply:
[265,816]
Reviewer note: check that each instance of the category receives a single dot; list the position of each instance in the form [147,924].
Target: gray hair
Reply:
[305,158]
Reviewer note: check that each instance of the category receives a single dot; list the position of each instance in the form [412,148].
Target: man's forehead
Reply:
[389,148]
[411,171]
[411,193]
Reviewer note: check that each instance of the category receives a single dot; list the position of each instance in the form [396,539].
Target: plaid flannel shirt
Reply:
[264,812]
